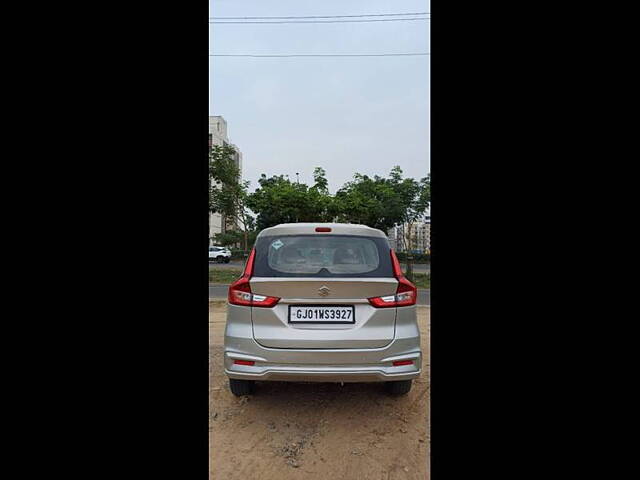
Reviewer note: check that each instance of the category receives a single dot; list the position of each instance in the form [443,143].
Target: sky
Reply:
[345,114]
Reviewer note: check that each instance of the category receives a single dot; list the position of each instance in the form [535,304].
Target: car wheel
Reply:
[219,259]
[227,260]
[399,388]
[241,387]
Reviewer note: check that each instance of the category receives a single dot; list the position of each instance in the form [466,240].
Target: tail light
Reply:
[240,290]
[406,294]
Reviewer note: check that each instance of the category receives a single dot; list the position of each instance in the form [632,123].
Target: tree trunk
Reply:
[243,217]
[409,272]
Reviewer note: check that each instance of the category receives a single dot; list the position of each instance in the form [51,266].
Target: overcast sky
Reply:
[288,115]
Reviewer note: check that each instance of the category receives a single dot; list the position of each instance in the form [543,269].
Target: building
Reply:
[420,237]
[218,136]
[393,238]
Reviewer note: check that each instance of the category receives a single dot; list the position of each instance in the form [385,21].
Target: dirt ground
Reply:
[316,430]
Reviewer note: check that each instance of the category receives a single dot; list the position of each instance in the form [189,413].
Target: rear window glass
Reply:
[322,255]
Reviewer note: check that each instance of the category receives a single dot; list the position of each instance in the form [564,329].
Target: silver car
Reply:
[322,302]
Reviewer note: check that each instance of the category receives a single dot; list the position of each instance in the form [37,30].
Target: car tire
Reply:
[227,260]
[241,387]
[401,387]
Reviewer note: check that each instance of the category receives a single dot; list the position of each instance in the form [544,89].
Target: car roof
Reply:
[310,229]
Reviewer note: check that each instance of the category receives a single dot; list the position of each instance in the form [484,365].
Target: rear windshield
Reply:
[322,256]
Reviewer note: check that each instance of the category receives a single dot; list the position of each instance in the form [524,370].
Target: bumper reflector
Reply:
[244,362]
[399,363]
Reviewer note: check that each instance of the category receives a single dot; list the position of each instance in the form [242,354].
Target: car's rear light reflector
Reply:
[399,363]
[244,362]
[323,229]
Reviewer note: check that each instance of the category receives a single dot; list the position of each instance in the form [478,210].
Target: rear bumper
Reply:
[315,365]
[329,374]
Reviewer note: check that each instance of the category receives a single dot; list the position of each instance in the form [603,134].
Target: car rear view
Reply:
[322,302]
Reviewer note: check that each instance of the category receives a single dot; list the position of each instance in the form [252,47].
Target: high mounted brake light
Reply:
[240,290]
[406,294]
[323,229]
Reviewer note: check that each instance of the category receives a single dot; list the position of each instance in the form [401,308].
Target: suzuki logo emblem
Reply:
[323,291]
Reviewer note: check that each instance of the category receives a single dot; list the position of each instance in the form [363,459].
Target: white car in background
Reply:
[219,254]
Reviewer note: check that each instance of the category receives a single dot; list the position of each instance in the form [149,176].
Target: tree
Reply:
[234,237]
[229,238]
[222,172]
[416,198]
[375,202]
[278,200]
[321,183]
[227,193]
[384,203]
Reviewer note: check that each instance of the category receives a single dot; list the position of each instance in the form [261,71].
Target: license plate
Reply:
[322,314]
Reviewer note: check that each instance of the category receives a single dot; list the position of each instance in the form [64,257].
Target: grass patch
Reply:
[422,280]
[223,275]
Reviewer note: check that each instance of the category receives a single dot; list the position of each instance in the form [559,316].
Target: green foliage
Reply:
[369,201]
[415,195]
[422,280]
[235,237]
[239,253]
[417,257]
[224,181]
[228,194]
[228,238]
[278,200]
[382,202]
[376,201]
[321,182]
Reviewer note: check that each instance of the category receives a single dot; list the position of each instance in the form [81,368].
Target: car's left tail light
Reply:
[240,290]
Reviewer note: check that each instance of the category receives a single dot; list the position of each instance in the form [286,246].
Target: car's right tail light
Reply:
[240,290]
[406,294]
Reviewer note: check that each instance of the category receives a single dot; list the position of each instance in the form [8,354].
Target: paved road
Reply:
[220,291]
[239,265]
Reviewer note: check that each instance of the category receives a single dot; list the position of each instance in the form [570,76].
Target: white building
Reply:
[393,238]
[420,237]
[218,136]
